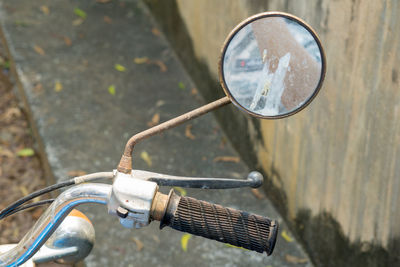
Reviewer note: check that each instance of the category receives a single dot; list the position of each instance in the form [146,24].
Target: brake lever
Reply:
[254,179]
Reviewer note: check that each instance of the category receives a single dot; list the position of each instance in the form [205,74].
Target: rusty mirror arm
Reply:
[125,164]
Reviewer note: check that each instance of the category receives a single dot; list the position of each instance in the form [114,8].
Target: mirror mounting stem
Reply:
[125,164]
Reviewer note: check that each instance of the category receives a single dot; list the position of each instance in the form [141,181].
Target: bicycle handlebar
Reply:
[53,216]
[184,214]
[219,223]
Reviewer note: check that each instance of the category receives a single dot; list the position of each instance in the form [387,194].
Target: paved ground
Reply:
[92,79]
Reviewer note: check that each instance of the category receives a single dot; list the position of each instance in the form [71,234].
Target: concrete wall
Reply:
[334,168]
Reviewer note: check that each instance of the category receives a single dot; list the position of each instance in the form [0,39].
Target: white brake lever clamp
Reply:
[131,200]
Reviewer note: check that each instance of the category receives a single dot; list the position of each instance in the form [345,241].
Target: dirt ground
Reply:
[20,168]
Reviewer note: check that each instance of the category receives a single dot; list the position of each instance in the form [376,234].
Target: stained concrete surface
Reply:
[83,127]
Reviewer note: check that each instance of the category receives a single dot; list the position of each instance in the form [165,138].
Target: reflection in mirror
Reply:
[272,66]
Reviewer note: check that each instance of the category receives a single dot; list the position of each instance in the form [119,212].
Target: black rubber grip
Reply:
[226,225]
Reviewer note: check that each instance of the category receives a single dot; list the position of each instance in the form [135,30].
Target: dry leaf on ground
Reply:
[107,19]
[139,244]
[227,159]
[67,41]
[154,121]
[188,132]
[296,260]
[78,21]
[103,1]
[45,10]
[160,103]
[10,114]
[24,190]
[256,192]
[6,153]
[39,50]
[155,31]
[160,64]
[141,60]
[37,212]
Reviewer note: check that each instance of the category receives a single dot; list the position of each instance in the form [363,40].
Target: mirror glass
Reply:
[272,66]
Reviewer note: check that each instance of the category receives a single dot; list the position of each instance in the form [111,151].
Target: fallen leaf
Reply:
[156,239]
[6,153]
[39,50]
[232,246]
[80,13]
[159,63]
[78,21]
[37,213]
[181,191]
[194,91]
[107,19]
[188,132]
[45,10]
[111,89]
[10,114]
[181,85]
[160,103]
[155,31]
[36,199]
[146,157]
[103,1]
[286,236]
[119,67]
[26,152]
[24,190]
[184,241]
[140,60]
[139,244]
[85,62]
[6,64]
[296,260]
[67,41]
[154,121]
[257,193]
[16,232]
[21,23]
[75,173]
[223,143]
[203,158]
[227,159]
[58,86]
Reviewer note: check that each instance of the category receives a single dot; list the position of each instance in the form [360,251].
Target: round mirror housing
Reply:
[272,65]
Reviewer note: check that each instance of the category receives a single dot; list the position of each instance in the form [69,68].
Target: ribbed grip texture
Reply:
[226,225]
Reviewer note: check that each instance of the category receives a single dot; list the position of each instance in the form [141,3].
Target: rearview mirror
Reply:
[272,65]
